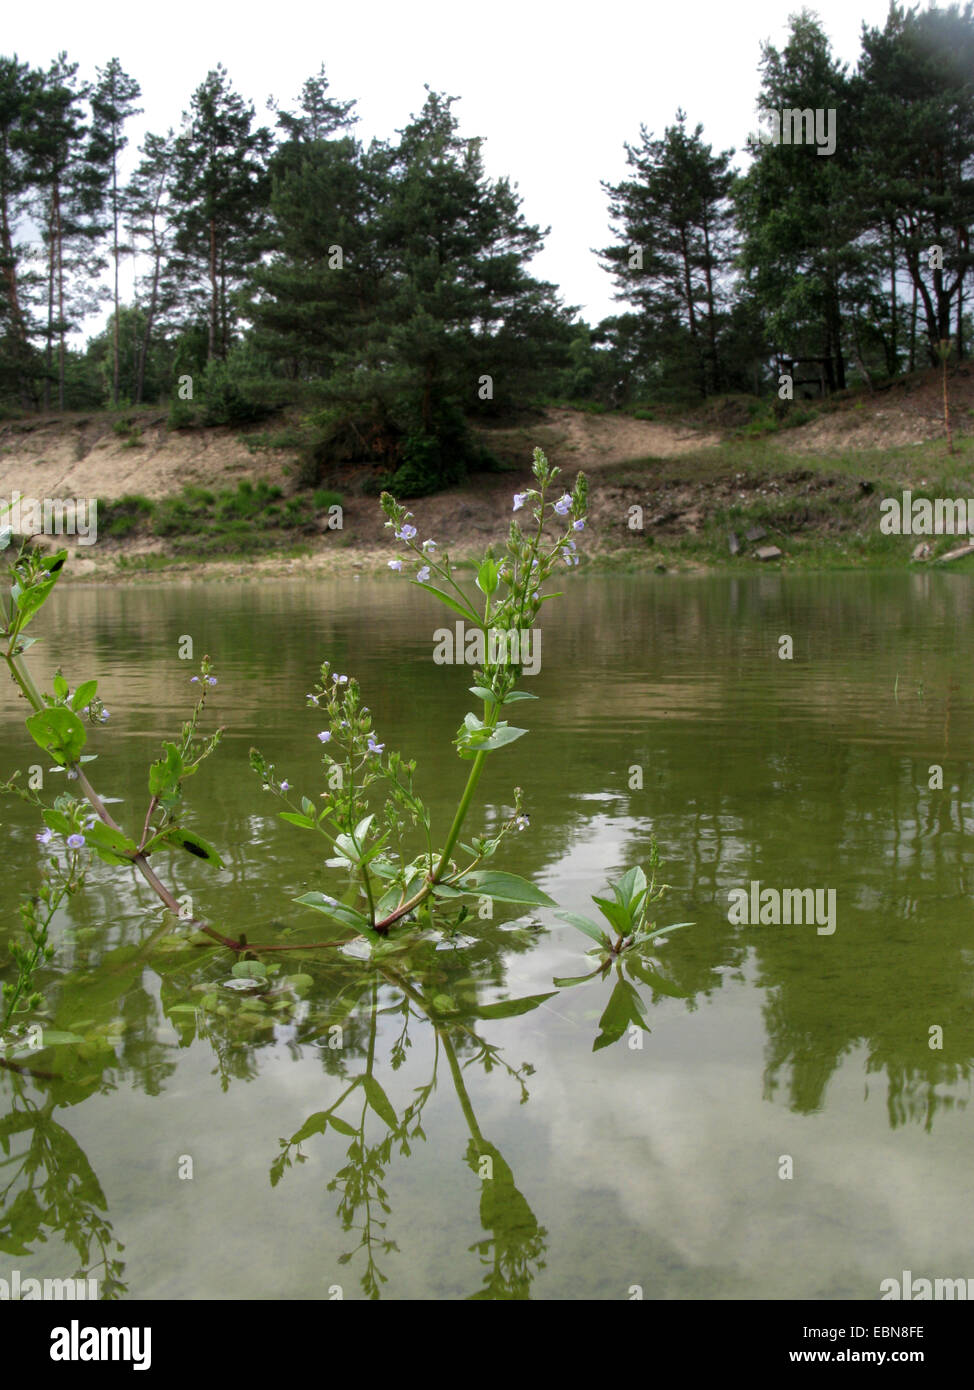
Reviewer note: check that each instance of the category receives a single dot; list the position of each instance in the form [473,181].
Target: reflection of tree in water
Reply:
[47,1188]
[515,1241]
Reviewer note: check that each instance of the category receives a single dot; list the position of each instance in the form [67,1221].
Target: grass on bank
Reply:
[253,517]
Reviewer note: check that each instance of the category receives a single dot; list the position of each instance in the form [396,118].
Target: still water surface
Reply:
[655,1166]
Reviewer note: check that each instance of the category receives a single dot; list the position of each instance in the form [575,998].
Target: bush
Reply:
[124,515]
[182,415]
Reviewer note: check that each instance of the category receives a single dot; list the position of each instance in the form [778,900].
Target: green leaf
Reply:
[379,1101]
[249,970]
[342,1126]
[314,1124]
[84,695]
[507,888]
[165,773]
[464,610]
[446,890]
[59,732]
[502,734]
[30,601]
[339,912]
[624,1007]
[630,890]
[111,846]
[512,697]
[650,977]
[586,925]
[662,931]
[60,685]
[486,580]
[617,915]
[193,843]
[482,693]
[293,818]
[57,821]
[512,1008]
[566,981]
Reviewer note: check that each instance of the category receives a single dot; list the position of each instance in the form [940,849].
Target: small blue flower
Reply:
[519,500]
[578,525]
[564,504]
[324,736]
[406,532]
[423,574]
[522,822]
[285,786]
[105,716]
[194,680]
[312,698]
[373,746]
[76,841]
[211,680]
[395,565]
[428,546]
[44,837]
[340,680]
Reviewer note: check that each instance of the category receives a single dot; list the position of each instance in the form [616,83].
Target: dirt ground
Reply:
[81,456]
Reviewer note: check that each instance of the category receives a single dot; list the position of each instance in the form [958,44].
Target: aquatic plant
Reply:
[370,816]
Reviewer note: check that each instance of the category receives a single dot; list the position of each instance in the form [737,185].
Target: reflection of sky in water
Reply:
[655,1166]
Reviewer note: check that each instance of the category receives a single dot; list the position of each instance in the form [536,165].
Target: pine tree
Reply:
[18,85]
[917,81]
[458,305]
[797,209]
[149,221]
[112,104]
[311,300]
[220,197]
[674,230]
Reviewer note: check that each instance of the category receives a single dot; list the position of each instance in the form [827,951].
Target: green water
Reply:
[655,1166]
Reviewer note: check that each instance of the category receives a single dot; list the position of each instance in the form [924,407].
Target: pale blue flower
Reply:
[424,574]
[324,736]
[373,746]
[76,841]
[285,786]
[395,565]
[406,532]
[44,837]
[564,504]
[578,525]
[519,500]
[429,545]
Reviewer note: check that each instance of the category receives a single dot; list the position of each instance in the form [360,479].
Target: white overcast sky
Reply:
[555,89]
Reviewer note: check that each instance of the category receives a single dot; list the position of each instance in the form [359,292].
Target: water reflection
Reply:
[666,712]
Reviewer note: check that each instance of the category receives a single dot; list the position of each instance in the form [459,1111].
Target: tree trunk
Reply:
[115,256]
[913,331]
[60,309]
[894,354]
[211,343]
[49,340]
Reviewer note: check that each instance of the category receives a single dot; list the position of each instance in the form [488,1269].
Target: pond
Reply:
[791,1126]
